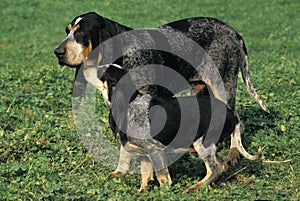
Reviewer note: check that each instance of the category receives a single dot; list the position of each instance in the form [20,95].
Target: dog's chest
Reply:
[138,118]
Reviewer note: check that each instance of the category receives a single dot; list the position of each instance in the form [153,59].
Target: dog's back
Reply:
[176,122]
[184,121]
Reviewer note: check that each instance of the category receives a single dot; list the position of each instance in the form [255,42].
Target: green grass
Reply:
[41,156]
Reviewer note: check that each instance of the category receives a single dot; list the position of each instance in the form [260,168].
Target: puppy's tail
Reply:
[247,79]
[240,147]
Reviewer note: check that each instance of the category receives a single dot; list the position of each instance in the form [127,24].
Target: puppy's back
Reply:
[212,118]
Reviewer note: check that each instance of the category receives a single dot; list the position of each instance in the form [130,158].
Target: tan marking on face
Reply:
[69,27]
[141,91]
[74,51]
[105,85]
[77,26]
[87,50]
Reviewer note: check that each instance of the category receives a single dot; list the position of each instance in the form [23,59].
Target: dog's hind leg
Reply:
[214,164]
[233,153]
[236,145]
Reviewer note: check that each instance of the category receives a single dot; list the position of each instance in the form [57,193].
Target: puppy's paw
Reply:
[117,173]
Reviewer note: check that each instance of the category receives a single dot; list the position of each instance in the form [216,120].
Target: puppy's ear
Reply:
[79,84]
[115,72]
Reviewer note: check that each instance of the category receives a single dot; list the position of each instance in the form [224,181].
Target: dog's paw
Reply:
[116,173]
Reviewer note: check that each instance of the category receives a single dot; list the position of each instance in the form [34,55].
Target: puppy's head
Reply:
[110,75]
[83,35]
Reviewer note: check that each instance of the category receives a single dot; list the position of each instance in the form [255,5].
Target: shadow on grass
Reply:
[192,167]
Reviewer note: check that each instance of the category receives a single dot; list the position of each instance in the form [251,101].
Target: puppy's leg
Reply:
[146,172]
[124,162]
[199,87]
[163,177]
[236,144]
[160,168]
[213,163]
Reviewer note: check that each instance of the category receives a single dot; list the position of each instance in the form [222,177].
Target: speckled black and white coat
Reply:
[139,133]
[220,41]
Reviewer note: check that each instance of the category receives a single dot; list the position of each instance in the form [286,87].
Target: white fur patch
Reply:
[77,21]
[116,65]
[108,65]
[71,34]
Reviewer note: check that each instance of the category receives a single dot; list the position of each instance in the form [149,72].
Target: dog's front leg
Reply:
[124,162]
[146,172]
[160,168]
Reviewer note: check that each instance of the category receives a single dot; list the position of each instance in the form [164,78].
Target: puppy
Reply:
[138,123]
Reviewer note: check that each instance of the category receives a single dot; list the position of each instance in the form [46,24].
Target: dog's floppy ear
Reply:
[80,83]
[111,73]
[114,73]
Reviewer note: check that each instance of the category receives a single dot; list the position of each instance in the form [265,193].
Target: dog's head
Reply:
[109,75]
[106,78]
[83,35]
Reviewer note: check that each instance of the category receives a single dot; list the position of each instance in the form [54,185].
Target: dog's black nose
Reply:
[59,52]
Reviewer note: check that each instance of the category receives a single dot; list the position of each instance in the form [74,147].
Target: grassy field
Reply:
[41,156]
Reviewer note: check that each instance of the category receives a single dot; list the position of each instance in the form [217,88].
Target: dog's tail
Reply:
[247,79]
[238,143]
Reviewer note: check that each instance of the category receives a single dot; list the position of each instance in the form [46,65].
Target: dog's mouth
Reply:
[61,62]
